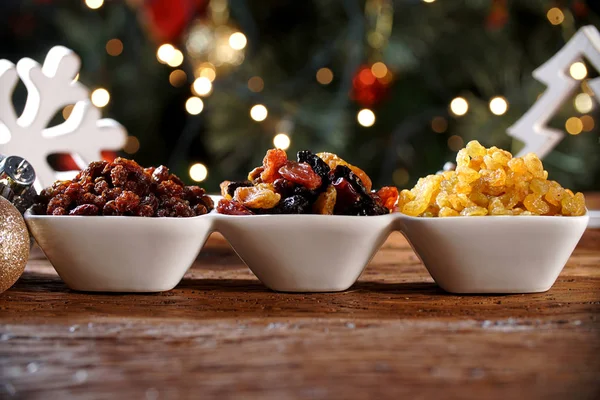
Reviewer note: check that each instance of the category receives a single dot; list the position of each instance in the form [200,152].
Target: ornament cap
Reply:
[18,172]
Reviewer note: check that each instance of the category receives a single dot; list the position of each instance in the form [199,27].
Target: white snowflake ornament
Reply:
[531,128]
[49,89]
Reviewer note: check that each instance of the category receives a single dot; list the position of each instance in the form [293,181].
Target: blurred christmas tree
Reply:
[394,86]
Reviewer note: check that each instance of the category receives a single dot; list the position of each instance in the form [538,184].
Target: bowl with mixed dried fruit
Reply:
[494,225]
[305,225]
[120,228]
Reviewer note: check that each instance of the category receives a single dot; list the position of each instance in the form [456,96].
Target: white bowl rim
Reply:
[29,215]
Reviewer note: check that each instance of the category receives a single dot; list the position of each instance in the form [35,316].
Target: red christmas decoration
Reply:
[168,19]
[64,161]
[498,16]
[368,90]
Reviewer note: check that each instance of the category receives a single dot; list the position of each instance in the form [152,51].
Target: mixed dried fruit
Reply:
[124,188]
[490,182]
[319,183]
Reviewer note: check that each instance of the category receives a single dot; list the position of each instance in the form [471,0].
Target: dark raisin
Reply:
[207,202]
[319,166]
[284,187]
[294,205]
[118,175]
[74,191]
[341,171]
[200,209]
[110,208]
[182,209]
[60,201]
[170,188]
[58,211]
[176,179]
[160,174]
[84,209]
[112,194]
[145,211]
[127,202]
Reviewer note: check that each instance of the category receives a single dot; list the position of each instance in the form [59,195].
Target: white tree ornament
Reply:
[49,89]
[531,128]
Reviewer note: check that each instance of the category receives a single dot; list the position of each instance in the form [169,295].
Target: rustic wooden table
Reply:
[221,334]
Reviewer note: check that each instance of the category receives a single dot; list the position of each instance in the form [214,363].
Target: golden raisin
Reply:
[259,196]
[490,182]
[325,203]
[333,161]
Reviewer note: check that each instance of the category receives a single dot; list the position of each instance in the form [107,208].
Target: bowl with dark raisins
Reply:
[120,227]
[305,225]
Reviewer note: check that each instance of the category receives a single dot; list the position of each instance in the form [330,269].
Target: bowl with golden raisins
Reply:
[309,224]
[495,224]
[118,227]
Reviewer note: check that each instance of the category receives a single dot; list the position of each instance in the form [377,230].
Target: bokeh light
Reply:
[439,125]
[324,76]
[400,177]
[165,52]
[256,84]
[94,4]
[584,103]
[114,47]
[555,16]
[455,143]
[132,145]
[281,141]
[259,112]
[574,126]
[202,86]
[100,97]
[498,105]
[177,78]
[198,172]
[578,70]
[379,70]
[588,123]
[237,41]
[459,106]
[176,59]
[207,70]
[366,117]
[194,105]
[66,112]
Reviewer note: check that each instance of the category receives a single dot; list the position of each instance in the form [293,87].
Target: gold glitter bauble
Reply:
[14,244]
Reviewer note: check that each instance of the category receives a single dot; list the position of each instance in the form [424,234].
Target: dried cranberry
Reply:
[316,163]
[301,173]
[232,207]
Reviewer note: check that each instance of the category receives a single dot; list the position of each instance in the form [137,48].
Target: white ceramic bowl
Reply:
[305,253]
[120,254]
[494,254]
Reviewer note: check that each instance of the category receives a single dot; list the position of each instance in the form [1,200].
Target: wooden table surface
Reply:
[221,334]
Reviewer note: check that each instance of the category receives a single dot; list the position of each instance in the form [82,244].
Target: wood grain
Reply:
[221,334]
